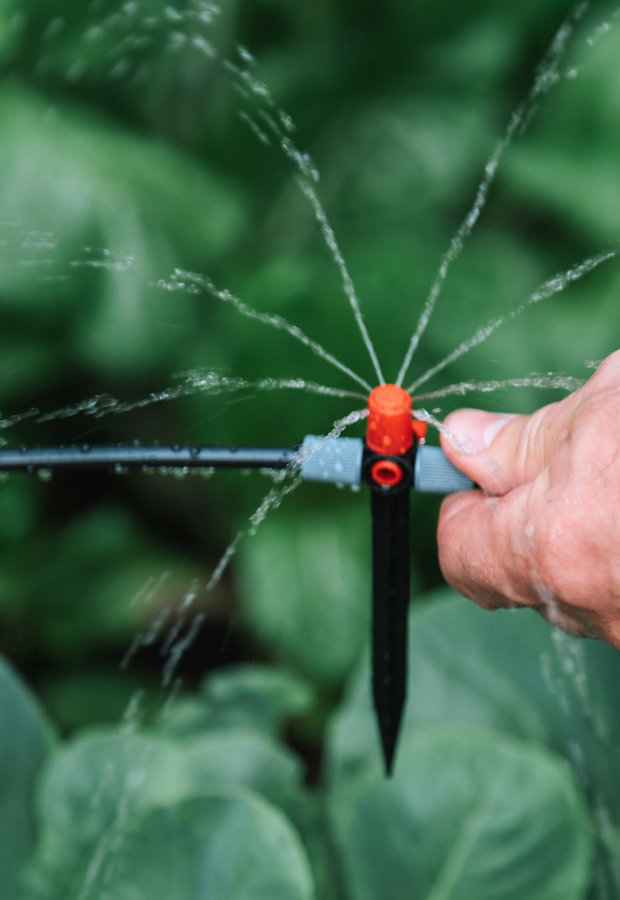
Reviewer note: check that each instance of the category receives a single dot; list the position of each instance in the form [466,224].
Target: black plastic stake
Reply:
[390,577]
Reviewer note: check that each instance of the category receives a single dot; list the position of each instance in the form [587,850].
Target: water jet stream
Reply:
[546,77]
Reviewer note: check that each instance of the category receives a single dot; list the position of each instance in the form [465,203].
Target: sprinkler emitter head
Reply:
[390,449]
[392,460]
[389,428]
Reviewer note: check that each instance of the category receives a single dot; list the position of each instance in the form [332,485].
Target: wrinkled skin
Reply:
[544,531]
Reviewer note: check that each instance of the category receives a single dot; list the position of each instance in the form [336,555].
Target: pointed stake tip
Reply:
[388,757]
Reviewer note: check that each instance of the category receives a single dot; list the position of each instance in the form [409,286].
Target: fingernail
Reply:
[476,430]
[493,429]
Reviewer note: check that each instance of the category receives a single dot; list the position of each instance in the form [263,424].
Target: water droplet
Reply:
[179,473]
[245,54]
[44,475]
[207,473]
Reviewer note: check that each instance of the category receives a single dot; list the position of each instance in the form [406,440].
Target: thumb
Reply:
[501,451]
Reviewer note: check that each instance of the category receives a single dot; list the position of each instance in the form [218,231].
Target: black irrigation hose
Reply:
[122,456]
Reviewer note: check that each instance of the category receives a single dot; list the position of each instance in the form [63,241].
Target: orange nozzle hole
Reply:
[386,472]
[389,428]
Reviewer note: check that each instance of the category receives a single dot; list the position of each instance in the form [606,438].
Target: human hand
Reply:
[544,531]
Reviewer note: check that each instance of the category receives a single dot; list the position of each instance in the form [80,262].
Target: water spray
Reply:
[392,460]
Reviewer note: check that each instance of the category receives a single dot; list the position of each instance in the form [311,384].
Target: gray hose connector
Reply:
[434,473]
[337,461]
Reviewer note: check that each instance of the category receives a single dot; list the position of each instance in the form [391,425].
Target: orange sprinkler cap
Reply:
[420,429]
[389,427]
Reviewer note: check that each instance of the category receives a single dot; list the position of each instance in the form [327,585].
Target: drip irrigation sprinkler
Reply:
[393,460]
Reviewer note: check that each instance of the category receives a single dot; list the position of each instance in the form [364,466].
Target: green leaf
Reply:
[12,22]
[469,815]
[305,592]
[100,694]
[221,846]
[235,708]
[24,364]
[237,705]
[508,670]
[101,778]
[18,510]
[404,158]
[85,796]
[25,739]
[257,697]
[87,575]
[237,756]
[113,214]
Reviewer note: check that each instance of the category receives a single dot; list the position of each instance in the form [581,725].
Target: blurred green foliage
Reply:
[316,617]
[124,157]
[498,791]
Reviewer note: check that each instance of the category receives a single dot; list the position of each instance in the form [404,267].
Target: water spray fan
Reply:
[394,457]
[392,460]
